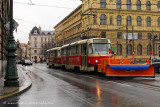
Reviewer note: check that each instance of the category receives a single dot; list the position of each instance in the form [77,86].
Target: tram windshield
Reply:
[98,48]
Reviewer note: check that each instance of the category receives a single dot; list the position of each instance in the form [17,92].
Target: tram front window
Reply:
[99,48]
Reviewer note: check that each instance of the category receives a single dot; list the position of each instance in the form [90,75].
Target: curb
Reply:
[27,84]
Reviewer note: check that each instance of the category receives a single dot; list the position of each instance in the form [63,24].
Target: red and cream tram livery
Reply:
[85,55]
[54,57]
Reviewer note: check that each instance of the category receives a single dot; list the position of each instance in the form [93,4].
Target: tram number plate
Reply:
[130,70]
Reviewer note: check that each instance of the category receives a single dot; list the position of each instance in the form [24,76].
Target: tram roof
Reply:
[56,48]
[83,42]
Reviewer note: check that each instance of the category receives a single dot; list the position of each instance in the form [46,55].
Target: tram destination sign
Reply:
[100,41]
[130,36]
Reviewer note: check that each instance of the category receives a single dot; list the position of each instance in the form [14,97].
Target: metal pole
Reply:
[11,72]
[153,41]
[153,46]
[133,38]
[126,41]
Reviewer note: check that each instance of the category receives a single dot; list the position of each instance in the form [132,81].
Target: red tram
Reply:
[83,55]
[54,57]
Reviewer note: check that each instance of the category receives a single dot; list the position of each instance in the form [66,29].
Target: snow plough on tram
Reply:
[124,67]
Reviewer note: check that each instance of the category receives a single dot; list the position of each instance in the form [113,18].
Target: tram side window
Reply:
[51,53]
[73,50]
[77,49]
[90,49]
[59,53]
[62,52]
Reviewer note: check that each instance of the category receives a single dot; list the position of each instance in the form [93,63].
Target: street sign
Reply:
[135,35]
[15,25]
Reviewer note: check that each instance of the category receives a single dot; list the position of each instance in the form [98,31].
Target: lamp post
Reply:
[11,76]
[126,41]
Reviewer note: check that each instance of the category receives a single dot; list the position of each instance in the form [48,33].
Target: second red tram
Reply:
[83,55]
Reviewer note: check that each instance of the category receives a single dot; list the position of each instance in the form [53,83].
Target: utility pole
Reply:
[133,37]
[126,41]
[11,75]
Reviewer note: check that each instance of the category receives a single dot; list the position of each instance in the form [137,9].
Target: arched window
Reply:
[138,21]
[148,21]
[128,4]
[159,22]
[102,3]
[119,49]
[129,49]
[118,20]
[148,49]
[148,5]
[158,5]
[118,4]
[138,5]
[129,21]
[103,19]
[139,49]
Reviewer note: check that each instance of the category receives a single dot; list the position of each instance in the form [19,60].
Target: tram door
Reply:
[55,60]
[67,54]
[84,57]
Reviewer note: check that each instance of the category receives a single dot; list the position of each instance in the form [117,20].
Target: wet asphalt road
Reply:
[56,88]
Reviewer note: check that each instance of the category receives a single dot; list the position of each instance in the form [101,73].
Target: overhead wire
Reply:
[31,3]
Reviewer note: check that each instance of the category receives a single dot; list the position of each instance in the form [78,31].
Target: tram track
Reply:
[126,82]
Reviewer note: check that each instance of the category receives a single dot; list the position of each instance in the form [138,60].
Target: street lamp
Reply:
[11,75]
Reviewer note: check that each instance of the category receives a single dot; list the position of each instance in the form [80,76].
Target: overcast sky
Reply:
[45,13]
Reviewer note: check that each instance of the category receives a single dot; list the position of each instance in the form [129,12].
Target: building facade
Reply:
[131,25]
[18,51]
[39,42]
[4,33]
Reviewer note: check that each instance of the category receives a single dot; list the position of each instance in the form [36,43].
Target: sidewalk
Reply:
[24,82]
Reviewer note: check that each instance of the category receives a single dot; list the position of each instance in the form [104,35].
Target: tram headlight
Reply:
[96,61]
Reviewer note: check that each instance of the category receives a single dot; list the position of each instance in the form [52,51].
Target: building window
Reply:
[41,39]
[102,3]
[103,34]
[138,21]
[111,20]
[138,5]
[158,5]
[118,20]
[139,35]
[159,22]
[148,49]
[119,49]
[149,35]
[148,5]
[148,21]
[35,32]
[128,4]
[129,49]
[35,39]
[139,49]
[35,45]
[129,20]
[119,35]
[118,4]
[103,19]
[35,51]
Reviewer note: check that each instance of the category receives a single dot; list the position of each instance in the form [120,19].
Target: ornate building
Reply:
[4,33]
[131,25]
[39,42]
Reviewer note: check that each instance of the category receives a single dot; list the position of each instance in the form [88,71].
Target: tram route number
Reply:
[130,70]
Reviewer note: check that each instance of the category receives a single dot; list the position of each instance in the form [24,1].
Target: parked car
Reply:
[19,61]
[26,62]
[156,64]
